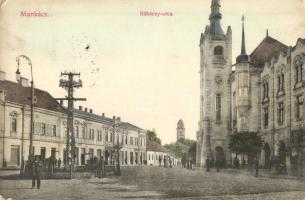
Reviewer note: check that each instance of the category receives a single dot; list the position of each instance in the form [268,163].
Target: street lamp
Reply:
[18,77]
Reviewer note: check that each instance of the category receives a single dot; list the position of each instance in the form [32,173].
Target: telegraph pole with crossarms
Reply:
[70,84]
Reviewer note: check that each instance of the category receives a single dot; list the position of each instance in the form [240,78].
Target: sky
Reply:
[143,69]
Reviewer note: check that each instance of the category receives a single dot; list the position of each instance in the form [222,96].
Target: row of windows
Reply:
[281,81]
[281,112]
[45,129]
[51,130]
[39,128]
[109,137]
[155,157]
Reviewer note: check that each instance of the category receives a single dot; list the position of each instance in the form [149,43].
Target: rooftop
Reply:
[154,146]
[266,50]
[17,93]
[106,120]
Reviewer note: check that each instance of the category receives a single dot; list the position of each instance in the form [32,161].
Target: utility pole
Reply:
[69,85]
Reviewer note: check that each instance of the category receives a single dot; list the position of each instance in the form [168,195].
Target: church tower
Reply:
[180,130]
[215,69]
[242,71]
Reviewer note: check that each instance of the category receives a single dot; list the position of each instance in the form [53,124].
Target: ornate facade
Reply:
[215,70]
[263,91]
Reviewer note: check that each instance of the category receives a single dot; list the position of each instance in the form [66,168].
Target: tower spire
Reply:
[243,57]
[243,45]
[215,17]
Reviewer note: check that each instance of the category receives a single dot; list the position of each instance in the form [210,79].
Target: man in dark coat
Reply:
[102,166]
[207,164]
[59,162]
[36,168]
[256,165]
[160,160]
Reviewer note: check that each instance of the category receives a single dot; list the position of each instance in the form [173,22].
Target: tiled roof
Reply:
[154,146]
[266,50]
[93,116]
[105,120]
[16,93]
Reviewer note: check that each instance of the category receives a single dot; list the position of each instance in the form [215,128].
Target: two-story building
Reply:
[95,135]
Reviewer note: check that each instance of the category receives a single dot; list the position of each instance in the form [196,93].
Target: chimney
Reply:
[24,82]
[91,111]
[103,115]
[86,109]
[80,108]
[2,76]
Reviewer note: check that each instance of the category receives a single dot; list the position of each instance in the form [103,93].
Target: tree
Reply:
[183,148]
[152,136]
[249,143]
[236,144]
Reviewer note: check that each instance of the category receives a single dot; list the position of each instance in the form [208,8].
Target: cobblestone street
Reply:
[160,183]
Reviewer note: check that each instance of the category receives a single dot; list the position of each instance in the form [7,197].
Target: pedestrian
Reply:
[118,168]
[183,162]
[207,164]
[59,162]
[102,163]
[236,162]
[187,163]
[99,168]
[36,167]
[95,166]
[49,167]
[256,165]
[160,160]
[170,162]
[243,163]
[164,162]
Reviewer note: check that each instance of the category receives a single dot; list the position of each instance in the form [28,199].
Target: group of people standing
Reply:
[167,161]
[211,163]
[187,163]
[218,164]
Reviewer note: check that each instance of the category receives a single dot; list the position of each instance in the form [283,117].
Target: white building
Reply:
[95,135]
[155,151]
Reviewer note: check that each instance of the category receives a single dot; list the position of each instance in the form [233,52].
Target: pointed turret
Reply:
[243,57]
[215,17]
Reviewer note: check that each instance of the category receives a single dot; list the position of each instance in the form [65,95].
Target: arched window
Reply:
[298,64]
[218,51]
[218,107]
[265,89]
[281,82]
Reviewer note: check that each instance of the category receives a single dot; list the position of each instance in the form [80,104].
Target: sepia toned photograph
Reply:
[152,99]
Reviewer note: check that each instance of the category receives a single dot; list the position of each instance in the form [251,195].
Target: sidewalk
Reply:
[5,173]
[263,173]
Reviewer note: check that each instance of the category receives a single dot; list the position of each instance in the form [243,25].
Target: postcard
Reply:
[152,99]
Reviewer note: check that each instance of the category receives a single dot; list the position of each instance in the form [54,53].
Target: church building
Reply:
[262,92]
[180,130]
